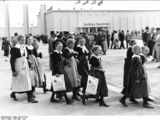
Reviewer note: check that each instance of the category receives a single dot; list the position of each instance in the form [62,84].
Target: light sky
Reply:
[16,10]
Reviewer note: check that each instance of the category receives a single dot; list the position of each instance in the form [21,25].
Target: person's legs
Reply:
[102,103]
[75,93]
[67,99]
[33,91]
[133,100]
[123,101]
[44,87]
[52,99]
[127,44]
[111,44]
[30,98]
[13,95]
[145,103]
[123,45]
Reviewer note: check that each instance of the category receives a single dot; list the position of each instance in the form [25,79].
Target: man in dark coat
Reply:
[108,39]
[151,42]
[112,38]
[121,38]
[50,47]
[5,46]
[128,38]
[146,36]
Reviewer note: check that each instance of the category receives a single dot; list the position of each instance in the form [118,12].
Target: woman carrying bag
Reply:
[57,71]
[70,67]
[98,72]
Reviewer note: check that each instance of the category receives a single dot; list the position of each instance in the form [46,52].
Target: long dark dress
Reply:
[83,68]
[137,79]
[58,68]
[102,89]
[127,66]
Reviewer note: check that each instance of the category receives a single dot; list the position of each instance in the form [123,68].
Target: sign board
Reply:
[94,19]
[96,24]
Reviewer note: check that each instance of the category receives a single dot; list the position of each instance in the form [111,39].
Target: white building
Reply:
[91,20]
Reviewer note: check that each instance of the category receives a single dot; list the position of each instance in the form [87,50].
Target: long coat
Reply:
[50,50]
[95,71]
[127,66]
[137,79]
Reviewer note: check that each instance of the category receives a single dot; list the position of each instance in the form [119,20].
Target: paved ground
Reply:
[112,62]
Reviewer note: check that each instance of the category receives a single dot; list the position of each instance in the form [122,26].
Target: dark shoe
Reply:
[123,103]
[149,99]
[54,100]
[83,100]
[15,99]
[76,98]
[12,95]
[158,67]
[153,59]
[134,101]
[33,101]
[103,104]
[69,102]
[147,106]
[45,90]
[33,96]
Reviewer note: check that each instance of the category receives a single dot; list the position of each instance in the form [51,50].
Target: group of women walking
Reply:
[72,62]
[27,72]
[75,63]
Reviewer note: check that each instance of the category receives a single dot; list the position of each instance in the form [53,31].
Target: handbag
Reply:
[58,83]
[92,85]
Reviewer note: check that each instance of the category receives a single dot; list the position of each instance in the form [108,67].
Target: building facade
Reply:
[92,20]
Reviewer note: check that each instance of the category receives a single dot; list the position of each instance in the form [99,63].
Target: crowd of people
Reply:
[75,57]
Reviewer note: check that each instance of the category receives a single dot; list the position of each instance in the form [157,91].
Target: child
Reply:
[137,79]
[58,69]
[98,72]
[127,66]
[145,52]
[83,67]
[70,67]
[40,74]
[21,82]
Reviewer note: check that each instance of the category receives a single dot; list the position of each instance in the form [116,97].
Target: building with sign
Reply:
[93,20]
